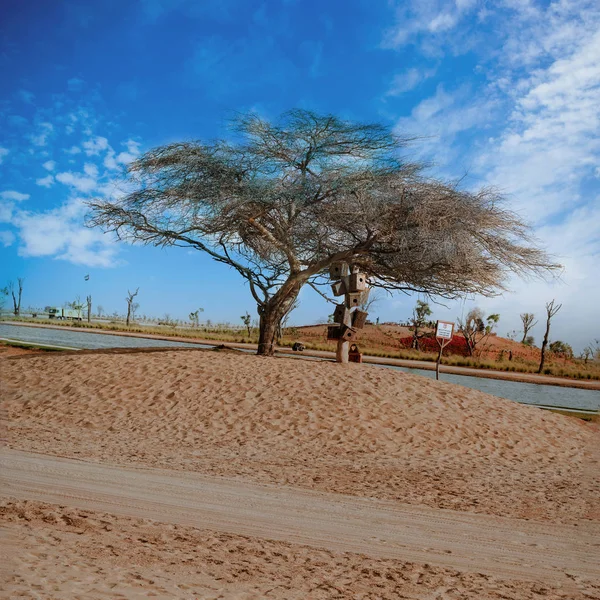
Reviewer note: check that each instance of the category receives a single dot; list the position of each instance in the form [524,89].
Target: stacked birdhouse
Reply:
[348,318]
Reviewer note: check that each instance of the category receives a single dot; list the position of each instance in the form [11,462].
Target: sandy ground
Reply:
[353,429]
[56,552]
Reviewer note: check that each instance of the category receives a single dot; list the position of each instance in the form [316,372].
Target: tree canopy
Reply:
[281,201]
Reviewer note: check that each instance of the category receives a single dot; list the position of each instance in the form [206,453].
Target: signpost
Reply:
[444,331]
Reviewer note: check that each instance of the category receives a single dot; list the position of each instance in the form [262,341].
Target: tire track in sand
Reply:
[487,544]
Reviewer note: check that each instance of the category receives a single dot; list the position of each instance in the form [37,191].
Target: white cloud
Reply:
[91,170]
[26,96]
[73,150]
[49,165]
[13,196]
[75,84]
[439,119]
[81,183]
[409,80]
[415,18]
[3,152]
[95,145]
[41,138]
[133,151]
[110,161]
[7,238]
[46,182]
[59,233]
[552,139]
[531,129]
[8,201]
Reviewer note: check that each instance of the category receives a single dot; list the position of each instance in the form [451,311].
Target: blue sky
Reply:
[503,93]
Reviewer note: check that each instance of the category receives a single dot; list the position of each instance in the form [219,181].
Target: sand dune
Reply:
[352,429]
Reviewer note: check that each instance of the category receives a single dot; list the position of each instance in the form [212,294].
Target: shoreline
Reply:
[396,362]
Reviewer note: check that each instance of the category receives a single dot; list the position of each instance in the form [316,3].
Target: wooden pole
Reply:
[343,346]
[442,344]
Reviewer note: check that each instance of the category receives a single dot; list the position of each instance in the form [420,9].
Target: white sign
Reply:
[444,330]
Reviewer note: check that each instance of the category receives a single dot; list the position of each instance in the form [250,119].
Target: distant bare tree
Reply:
[370,301]
[528,324]
[131,305]
[3,295]
[591,351]
[287,199]
[77,305]
[419,316]
[474,328]
[551,310]
[246,320]
[16,294]
[88,302]
[100,310]
[195,317]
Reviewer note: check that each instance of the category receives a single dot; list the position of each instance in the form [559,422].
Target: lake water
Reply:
[526,393]
[85,340]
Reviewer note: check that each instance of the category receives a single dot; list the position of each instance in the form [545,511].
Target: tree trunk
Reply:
[544,344]
[128,314]
[415,340]
[272,312]
[267,332]
[89,309]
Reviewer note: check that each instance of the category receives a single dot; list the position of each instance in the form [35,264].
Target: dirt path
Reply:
[479,543]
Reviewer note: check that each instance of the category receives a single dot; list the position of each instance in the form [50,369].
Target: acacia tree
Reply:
[551,310]
[131,305]
[474,328]
[282,201]
[528,324]
[420,313]
[562,349]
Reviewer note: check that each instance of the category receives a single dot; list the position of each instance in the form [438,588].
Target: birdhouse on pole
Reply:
[340,313]
[349,333]
[358,282]
[339,288]
[338,270]
[359,318]
[348,281]
[334,332]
